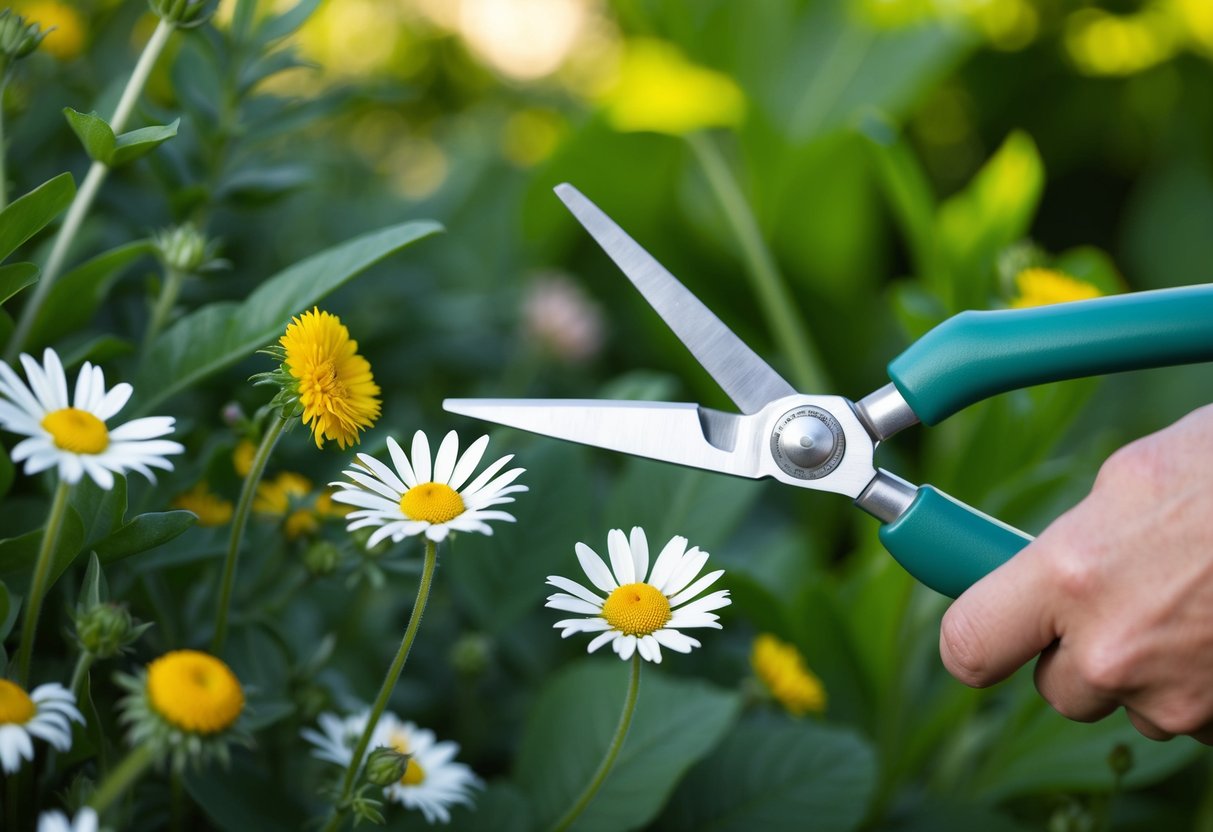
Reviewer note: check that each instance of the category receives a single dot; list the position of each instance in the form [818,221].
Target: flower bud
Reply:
[470,654]
[386,766]
[17,38]
[183,248]
[1120,760]
[321,558]
[105,629]
[184,14]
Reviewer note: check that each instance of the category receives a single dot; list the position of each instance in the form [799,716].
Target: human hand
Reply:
[1116,596]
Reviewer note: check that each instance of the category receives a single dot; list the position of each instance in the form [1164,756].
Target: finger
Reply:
[1147,728]
[1062,684]
[1001,622]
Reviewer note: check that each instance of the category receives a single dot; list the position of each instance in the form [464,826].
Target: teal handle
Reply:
[975,355]
[947,545]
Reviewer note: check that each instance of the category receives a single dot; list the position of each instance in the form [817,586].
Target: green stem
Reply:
[37,588]
[604,768]
[87,192]
[239,521]
[173,279]
[773,296]
[3,149]
[389,685]
[123,776]
[78,675]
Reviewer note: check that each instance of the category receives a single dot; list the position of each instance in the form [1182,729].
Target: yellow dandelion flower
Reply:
[335,386]
[242,457]
[211,509]
[783,671]
[66,41]
[658,89]
[1041,287]
[194,692]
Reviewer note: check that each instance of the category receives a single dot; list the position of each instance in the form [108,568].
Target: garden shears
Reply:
[827,442]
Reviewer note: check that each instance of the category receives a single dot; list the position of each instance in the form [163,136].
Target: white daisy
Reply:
[85,821]
[419,499]
[73,435]
[45,714]
[433,781]
[639,615]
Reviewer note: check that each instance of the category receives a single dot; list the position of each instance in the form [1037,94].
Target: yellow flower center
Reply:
[77,431]
[413,775]
[431,501]
[782,669]
[637,609]
[194,691]
[16,708]
[336,388]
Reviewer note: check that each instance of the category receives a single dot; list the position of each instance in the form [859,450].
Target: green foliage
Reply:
[102,145]
[30,213]
[16,276]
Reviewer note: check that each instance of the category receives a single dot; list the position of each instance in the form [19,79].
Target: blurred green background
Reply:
[887,163]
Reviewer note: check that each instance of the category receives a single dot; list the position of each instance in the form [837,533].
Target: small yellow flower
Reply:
[66,41]
[1041,287]
[783,671]
[334,384]
[211,509]
[289,496]
[242,456]
[194,692]
[660,90]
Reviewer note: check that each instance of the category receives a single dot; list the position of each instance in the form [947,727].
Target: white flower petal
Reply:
[711,601]
[598,641]
[621,557]
[638,542]
[625,646]
[696,588]
[668,561]
[149,427]
[484,476]
[384,473]
[421,457]
[568,603]
[594,568]
[438,532]
[574,588]
[401,461]
[468,462]
[675,640]
[113,401]
[448,454]
[692,562]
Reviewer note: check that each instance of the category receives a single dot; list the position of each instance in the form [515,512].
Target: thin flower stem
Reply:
[239,521]
[81,672]
[123,776]
[389,685]
[773,296]
[173,278]
[604,768]
[37,588]
[87,192]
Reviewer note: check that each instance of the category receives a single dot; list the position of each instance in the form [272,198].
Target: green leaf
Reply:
[499,808]
[221,334]
[94,133]
[147,531]
[676,722]
[7,472]
[75,296]
[130,146]
[26,216]
[18,554]
[6,606]
[281,25]
[908,190]
[91,592]
[15,277]
[245,796]
[100,510]
[773,774]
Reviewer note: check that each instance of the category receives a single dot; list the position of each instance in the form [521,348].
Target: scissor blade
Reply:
[747,379]
[666,431]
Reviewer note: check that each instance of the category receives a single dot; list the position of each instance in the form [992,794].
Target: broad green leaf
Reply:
[147,531]
[1091,265]
[15,277]
[499,808]
[245,796]
[908,191]
[1048,753]
[18,554]
[130,146]
[94,133]
[98,349]
[26,216]
[221,334]
[776,774]
[676,723]
[100,510]
[75,297]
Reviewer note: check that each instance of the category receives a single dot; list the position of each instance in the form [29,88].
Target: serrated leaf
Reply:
[146,531]
[30,213]
[15,277]
[774,774]
[221,334]
[676,722]
[94,133]
[130,146]
[76,295]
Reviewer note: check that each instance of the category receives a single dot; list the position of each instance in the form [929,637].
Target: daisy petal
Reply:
[692,562]
[668,561]
[574,588]
[448,454]
[401,461]
[484,476]
[625,646]
[621,557]
[468,462]
[568,603]
[639,545]
[113,401]
[696,588]
[421,457]
[675,640]
[594,568]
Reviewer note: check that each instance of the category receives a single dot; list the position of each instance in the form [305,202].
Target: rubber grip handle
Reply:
[948,545]
[975,355]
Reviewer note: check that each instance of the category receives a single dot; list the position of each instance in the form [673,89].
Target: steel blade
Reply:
[747,379]
[666,431]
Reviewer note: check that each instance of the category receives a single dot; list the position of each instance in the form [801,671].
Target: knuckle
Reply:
[1106,667]
[1076,571]
[1184,714]
[961,646]
[1139,465]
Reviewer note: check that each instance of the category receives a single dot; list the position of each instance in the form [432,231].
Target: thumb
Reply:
[1001,622]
